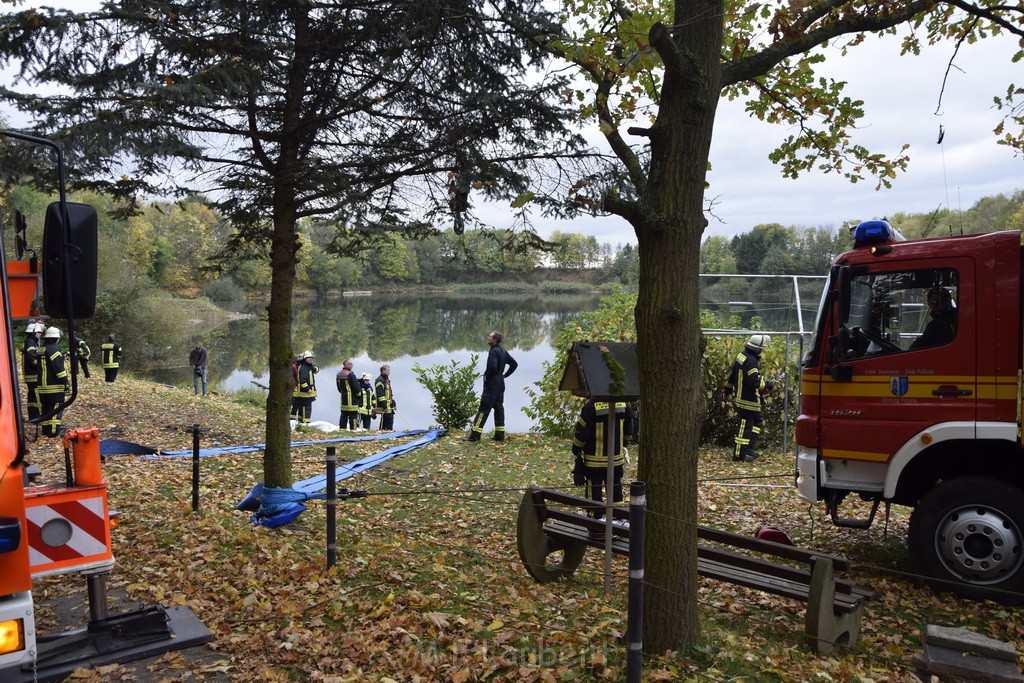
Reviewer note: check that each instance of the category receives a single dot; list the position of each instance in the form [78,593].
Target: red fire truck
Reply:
[62,527]
[911,395]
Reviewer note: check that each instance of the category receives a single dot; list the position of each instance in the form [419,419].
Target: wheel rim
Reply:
[979,544]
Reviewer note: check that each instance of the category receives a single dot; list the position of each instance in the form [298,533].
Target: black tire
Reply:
[967,536]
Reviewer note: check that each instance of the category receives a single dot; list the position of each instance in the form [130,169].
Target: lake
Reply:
[402,331]
[435,329]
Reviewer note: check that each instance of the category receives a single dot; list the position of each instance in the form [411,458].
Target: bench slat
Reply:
[788,552]
[722,565]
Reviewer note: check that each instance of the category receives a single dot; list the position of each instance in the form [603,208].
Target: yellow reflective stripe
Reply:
[865,456]
[920,386]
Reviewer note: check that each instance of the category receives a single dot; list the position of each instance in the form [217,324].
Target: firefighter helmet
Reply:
[40,326]
[365,376]
[51,333]
[307,354]
[31,327]
[758,342]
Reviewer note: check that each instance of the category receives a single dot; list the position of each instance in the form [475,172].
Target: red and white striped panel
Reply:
[67,534]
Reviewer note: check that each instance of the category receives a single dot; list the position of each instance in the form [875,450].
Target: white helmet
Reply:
[758,342]
[31,327]
[307,354]
[365,375]
[51,333]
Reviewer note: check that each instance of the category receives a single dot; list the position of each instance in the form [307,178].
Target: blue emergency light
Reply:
[875,232]
[10,534]
[872,231]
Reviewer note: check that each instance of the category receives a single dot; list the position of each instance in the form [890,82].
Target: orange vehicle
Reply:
[911,395]
[64,527]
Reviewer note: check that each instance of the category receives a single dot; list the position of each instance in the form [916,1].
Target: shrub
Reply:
[554,412]
[452,388]
[224,289]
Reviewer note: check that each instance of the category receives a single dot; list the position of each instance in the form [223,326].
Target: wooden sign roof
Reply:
[602,371]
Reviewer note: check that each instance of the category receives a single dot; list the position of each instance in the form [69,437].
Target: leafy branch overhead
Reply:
[770,57]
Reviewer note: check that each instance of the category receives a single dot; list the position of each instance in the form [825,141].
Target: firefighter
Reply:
[348,386]
[84,353]
[30,365]
[367,401]
[111,360]
[53,381]
[305,389]
[493,395]
[385,399]
[746,382]
[941,327]
[588,446]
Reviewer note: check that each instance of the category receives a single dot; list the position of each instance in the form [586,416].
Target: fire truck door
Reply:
[911,360]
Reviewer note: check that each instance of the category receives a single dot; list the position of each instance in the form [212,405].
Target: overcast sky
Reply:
[900,96]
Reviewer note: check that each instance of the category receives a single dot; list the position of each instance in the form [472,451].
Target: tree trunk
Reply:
[277,460]
[284,249]
[670,344]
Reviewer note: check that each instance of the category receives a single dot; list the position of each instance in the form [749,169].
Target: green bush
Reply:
[720,422]
[224,289]
[452,388]
[554,412]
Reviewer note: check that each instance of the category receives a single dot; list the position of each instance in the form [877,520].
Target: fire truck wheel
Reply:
[968,535]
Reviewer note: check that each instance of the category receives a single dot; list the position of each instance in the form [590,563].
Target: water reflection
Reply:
[400,330]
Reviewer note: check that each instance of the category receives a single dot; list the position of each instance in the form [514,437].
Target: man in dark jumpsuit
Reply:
[493,395]
[746,382]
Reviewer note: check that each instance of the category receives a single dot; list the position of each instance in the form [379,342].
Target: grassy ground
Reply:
[428,584]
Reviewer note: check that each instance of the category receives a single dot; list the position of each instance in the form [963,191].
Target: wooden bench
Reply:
[553,540]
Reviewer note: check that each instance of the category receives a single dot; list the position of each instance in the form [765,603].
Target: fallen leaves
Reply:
[428,585]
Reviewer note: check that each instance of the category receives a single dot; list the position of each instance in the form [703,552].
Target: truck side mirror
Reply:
[842,278]
[69,260]
[839,347]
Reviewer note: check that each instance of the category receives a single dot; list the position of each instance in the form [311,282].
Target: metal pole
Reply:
[785,399]
[69,477]
[96,585]
[332,508]
[609,486]
[195,468]
[635,604]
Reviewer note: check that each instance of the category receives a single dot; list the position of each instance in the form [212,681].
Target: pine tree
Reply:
[282,109]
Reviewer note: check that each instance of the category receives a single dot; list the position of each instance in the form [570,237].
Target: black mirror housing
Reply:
[69,261]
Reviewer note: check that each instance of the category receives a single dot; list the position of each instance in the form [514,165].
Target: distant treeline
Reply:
[773,249]
[180,250]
